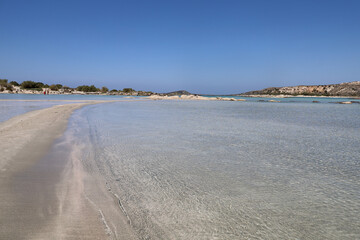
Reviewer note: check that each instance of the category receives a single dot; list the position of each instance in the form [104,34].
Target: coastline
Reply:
[294,96]
[43,198]
[156,95]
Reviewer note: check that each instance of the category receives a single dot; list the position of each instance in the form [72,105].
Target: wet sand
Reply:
[51,196]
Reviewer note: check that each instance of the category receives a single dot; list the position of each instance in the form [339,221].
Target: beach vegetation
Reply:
[86,88]
[39,85]
[32,85]
[104,89]
[56,87]
[66,89]
[3,82]
[5,85]
[128,90]
[9,87]
[53,87]
[14,83]
[113,90]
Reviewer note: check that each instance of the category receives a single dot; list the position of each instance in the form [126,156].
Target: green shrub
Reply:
[104,89]
[86,88]
[14,83]
[3,82]
[54,87]
[128,90]
[9,87]
[31,85]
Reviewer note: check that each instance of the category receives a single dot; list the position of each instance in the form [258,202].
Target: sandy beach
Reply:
[43,197]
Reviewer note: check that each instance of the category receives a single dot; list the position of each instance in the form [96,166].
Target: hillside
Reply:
[342,89]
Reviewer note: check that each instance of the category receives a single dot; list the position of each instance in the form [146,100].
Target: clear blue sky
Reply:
[202,46]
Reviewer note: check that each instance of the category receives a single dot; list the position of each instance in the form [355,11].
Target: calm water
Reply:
[59,97]
[9,109]
[228,170]
[293,99]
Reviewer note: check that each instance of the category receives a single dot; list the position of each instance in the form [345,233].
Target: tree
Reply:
[14,83]
[32,85]
[3,82]
[9,87]
[128,90]
[54,87]
[94,89]
[104,89]
[79,88]
[86,88]
[28,84]
[66,89]
[39,85]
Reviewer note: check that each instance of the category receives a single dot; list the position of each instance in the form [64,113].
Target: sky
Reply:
[208,47]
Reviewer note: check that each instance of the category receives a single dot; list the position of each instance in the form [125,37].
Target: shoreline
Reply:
[295,96]
[162,95]
[44,197]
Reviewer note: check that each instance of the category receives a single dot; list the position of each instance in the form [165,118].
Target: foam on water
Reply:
[229,170]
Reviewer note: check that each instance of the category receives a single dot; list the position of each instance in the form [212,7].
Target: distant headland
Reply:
[349,89]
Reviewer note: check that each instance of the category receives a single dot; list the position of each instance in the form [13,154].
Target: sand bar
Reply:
[43,197]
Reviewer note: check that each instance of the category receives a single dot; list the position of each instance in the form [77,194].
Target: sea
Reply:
[225,170]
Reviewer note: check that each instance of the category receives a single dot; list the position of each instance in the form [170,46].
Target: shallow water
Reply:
[60,97]
[229,170]
[9,109]
[293,99]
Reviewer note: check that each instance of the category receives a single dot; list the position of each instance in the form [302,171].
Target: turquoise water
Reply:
[292,99]
[9,109]
[228,170]
[110,97]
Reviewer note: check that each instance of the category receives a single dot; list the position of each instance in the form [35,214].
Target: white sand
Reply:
[192,97]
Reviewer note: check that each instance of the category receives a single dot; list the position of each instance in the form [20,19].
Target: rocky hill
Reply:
[342,89]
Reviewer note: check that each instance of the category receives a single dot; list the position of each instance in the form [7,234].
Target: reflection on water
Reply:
[229,170]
